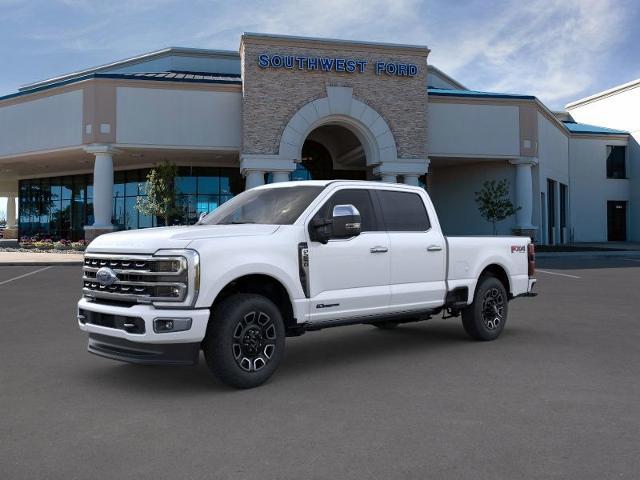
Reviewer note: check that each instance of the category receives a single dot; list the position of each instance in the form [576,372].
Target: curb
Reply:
[611,254]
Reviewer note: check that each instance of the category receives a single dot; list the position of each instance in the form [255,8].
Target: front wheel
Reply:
[245,340]
[485,318]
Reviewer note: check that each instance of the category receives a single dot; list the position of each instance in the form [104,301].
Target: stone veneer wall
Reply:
[271,96]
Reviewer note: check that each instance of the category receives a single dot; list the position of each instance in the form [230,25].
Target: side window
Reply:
[361,199]
[616,161]
[403,211]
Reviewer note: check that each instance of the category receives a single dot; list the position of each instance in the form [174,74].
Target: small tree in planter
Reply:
[494,203]
[160,200]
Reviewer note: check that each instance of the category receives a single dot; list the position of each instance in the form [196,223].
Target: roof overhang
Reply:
[605,93]
[145,57]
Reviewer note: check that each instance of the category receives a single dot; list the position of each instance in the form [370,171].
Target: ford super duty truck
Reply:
[283,259]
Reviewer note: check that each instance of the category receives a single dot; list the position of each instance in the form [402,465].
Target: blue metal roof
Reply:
[188,77]
[444,92]
[575,127]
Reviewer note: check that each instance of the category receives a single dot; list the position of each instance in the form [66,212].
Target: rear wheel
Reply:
[245,340]
[485,318]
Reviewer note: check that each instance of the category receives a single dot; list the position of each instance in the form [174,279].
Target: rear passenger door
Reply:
[418,259]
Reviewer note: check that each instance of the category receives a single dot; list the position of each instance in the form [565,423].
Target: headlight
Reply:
[190,277]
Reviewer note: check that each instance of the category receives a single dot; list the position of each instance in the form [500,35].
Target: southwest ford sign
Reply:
[331,64]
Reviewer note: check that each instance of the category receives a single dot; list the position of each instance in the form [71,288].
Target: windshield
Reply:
[273,206]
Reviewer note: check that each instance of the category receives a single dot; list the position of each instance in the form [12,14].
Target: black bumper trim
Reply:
[144,353]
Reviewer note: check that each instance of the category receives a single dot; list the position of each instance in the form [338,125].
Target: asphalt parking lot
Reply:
[557,396]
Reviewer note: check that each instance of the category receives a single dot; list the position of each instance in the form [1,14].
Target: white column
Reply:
[253,178]
[280,176]
[389,178]
[410,179]
[254,166]
[524,192]
[11,211]
[102,186]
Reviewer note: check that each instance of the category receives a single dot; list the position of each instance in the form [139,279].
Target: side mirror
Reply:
[201,217]
[346,221]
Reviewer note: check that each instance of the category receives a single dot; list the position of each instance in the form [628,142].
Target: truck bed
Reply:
[467,257]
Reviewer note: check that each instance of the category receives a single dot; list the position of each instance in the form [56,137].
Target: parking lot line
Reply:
[556,273]
[25,275]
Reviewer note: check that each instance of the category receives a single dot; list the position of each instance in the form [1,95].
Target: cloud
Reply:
[547,48]
[558,50]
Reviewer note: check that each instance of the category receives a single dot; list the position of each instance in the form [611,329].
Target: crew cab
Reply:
[283,259]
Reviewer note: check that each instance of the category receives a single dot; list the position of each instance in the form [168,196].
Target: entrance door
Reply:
[617,221]
[551,212]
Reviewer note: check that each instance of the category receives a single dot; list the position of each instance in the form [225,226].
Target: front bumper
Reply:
[141,344]
[144,353]
[143,316]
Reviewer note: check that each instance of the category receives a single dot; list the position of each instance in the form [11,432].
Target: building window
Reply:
[616,161]
[60,207]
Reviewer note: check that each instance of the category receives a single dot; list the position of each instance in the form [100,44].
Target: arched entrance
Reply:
[335,137]
[353,123]
[332,151]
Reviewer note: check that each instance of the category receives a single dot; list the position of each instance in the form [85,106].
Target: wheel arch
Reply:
[498,271]
[261,284]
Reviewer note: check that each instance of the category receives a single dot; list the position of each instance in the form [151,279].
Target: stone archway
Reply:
[340,108]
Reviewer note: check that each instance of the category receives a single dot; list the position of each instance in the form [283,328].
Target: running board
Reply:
[400,317]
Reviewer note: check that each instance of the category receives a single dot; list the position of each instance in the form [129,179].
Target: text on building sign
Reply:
[330,64]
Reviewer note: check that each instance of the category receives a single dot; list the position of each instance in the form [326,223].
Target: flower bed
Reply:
[40,245]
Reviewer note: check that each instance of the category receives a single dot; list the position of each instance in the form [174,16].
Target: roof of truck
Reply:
[324,183]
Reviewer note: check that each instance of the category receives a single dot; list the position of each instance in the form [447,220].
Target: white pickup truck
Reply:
[286,258]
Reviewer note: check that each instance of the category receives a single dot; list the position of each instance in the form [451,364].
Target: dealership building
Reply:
[75,149]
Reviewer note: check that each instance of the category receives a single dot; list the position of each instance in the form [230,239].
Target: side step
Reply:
[400,317]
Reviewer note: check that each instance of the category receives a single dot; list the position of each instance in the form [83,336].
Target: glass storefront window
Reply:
[60,207]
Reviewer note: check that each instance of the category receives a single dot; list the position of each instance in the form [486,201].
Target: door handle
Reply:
[434,248]
[379,249]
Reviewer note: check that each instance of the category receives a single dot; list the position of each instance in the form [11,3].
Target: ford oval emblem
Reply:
[106,277]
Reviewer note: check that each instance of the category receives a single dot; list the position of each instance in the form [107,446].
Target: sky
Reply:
[558,50]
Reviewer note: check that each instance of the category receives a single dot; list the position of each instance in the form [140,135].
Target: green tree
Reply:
[160,199]
[494,203]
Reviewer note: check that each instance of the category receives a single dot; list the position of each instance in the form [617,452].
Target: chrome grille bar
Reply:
[140,278]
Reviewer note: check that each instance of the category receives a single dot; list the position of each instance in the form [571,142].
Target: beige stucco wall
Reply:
[272,96]
[178,117]
[50,122]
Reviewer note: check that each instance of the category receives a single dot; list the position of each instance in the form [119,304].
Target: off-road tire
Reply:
[245,340]
[485,318]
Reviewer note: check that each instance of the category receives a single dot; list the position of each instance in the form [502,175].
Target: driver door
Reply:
[350,277]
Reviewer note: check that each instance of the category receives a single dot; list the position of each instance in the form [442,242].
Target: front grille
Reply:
[120,322]
[135,278]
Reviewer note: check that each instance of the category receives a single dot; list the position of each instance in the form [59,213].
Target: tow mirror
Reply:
[346,221]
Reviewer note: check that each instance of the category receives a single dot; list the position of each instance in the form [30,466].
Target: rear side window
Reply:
[361,199]
[403,211]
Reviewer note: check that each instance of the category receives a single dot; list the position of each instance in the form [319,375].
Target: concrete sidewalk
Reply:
[39,259]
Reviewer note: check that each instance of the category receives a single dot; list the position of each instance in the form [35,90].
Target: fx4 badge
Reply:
[518,249]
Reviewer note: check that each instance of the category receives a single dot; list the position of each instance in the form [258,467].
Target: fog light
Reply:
[164,325]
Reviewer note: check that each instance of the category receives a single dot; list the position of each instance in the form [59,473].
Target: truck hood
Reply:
[149,240]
